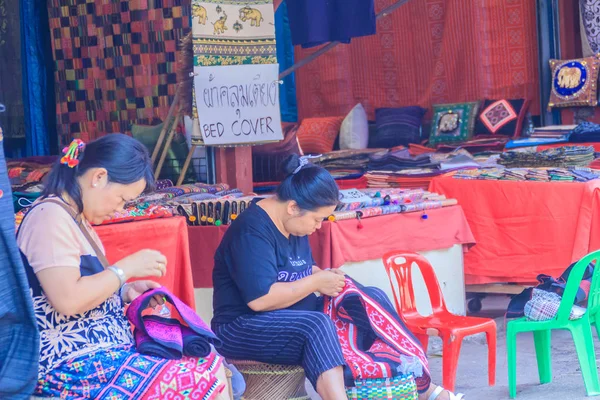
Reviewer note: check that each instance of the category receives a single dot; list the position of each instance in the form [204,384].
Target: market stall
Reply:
[525,228]
[441,235]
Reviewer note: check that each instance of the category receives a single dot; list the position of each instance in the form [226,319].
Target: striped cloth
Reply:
[20,352]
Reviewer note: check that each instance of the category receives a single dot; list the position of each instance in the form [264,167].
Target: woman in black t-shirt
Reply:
[265,278]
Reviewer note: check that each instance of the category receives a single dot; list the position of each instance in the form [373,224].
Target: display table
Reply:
[167,235]
[526,228]
[440,237]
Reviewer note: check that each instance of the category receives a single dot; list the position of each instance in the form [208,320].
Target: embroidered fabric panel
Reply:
[121,374]
[574,82]
[498,115]
[502,117]
[453,122]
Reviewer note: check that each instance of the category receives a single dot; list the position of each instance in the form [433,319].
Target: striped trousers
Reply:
[288,337]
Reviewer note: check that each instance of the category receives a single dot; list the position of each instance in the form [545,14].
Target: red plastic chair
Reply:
[451,328]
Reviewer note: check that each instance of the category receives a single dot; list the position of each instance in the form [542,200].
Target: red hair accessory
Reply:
[71,153]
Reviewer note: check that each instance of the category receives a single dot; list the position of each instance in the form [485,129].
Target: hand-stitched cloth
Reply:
[167,337]
[375,342]
[90,355]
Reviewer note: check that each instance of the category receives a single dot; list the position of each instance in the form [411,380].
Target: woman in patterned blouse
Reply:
[86,346]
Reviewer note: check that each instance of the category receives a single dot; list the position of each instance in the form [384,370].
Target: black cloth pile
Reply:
[400,160]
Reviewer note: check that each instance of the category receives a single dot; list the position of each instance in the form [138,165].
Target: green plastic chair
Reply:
[580,329]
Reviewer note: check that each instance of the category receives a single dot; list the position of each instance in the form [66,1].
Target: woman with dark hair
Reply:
[265,278]
[86,347]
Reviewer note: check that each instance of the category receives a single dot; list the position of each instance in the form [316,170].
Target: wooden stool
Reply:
[272,381]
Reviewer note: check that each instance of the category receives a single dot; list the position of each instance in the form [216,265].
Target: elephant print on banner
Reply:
[220,26]
[251,14]
[199,12]
[240,32]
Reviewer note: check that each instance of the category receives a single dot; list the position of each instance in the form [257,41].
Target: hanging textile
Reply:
[37,78]
[115,63]
[11,95]
[231,32]
[19,352]
[590,26]
[285,56]
[315,22]
[428,52]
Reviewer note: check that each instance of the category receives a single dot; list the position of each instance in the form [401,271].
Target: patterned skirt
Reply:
[121,374]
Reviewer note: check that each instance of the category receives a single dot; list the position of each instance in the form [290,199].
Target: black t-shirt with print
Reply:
[252,256]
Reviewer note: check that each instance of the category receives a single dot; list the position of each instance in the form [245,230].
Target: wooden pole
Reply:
[167,146]
[172,110]
[186,165]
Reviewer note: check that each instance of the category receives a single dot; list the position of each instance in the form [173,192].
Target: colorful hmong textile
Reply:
[115,63]
[393,350]
[121,374]
[90,355]
[233,32]
[139,212]
[168,337]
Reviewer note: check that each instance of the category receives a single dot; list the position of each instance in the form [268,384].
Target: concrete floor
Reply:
[472,378]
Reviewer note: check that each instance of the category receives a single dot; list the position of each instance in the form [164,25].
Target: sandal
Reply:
[439,390]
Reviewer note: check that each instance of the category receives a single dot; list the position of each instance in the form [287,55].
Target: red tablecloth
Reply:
[340,242]
[527,228]
[169,236]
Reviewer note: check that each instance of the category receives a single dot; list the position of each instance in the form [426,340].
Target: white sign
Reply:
[238,104]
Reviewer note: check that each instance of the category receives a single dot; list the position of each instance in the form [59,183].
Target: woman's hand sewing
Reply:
[330,283]
[135,289]
[144,263]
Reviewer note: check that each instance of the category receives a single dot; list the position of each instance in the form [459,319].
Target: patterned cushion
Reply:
[397,126]
[453,123]
[317,135]
[574,82]
[502,117]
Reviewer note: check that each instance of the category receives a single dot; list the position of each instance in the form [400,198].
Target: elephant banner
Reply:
[233,32]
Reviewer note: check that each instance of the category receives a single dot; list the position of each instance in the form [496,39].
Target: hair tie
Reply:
[304,160]
[72,152]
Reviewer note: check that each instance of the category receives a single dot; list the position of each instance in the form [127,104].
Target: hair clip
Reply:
[304,160]
[71,153]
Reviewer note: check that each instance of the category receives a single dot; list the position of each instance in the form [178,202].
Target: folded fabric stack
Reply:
[573,174]
[347,163]
[569,156]
[407,179]
[400,160]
